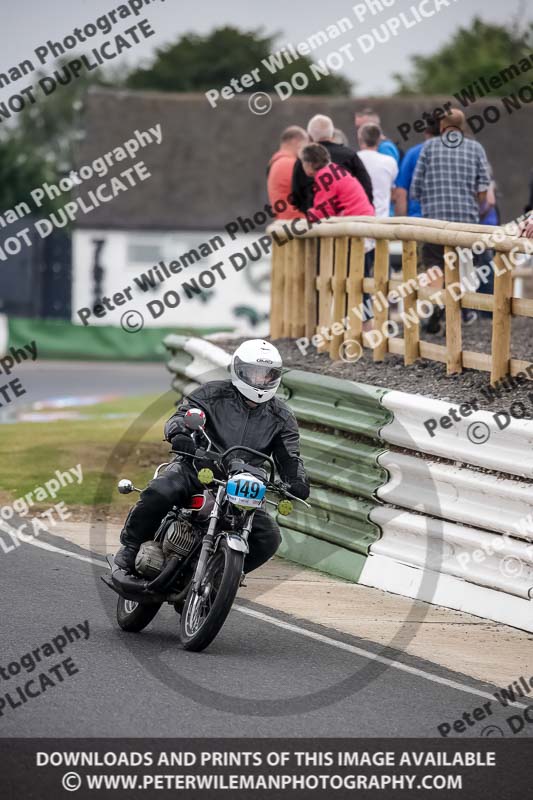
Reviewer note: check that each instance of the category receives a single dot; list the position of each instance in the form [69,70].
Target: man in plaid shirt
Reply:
[450,181]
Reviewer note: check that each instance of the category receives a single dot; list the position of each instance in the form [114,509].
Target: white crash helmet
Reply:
[256,370]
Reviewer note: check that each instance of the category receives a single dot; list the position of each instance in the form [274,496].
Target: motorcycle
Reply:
[195,560]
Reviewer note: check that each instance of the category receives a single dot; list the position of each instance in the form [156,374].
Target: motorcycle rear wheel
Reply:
[134,617]
[204,615]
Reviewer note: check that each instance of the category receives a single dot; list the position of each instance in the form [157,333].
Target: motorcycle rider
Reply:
[243,410]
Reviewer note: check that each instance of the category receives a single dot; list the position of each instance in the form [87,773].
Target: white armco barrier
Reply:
[461,536]
[508,450]
[4,335]
[206,357]
[458,493]
[451,565]
[209,362]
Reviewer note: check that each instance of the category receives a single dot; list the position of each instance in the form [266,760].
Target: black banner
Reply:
[43,769]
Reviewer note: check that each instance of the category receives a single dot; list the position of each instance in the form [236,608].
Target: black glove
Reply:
[183,443]
[173,429]
[299,489]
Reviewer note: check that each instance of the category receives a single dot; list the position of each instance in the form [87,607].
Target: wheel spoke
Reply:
[199,607]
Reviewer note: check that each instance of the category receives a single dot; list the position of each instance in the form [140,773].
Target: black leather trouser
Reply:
[174,486]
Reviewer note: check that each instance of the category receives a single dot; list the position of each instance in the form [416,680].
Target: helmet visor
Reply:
[260,376]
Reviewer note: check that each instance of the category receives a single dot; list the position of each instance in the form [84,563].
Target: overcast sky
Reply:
[27,24]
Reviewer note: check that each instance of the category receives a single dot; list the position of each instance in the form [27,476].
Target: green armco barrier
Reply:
[175,342]
[340,458]
[321,555]
[341,463]
[335,518]
[63,339]
[178,362]
[336,403]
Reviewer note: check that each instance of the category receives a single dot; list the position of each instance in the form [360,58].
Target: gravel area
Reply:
[426,377]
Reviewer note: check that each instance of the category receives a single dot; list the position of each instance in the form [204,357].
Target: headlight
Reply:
[206,476]
[284,507]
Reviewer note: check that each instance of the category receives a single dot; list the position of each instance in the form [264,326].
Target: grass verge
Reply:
[111,440]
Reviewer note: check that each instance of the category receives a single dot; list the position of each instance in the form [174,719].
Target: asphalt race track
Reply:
[270,680]
[44,380]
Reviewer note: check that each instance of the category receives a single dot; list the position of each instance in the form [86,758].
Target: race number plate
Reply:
[245,490]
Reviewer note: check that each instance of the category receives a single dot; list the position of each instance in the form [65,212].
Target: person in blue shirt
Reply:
[405,206]
[386,146]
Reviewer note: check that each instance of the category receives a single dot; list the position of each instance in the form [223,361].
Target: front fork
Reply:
[207,545]
[209,539]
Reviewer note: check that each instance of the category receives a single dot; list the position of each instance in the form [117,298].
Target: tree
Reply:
[21,171]
[198,63]
[41,146]
[480,50]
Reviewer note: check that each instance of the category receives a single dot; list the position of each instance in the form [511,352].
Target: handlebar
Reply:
[281,489]
[241,448]
[219,458]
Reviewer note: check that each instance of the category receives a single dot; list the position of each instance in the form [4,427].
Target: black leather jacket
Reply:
[302,186]
[270,427]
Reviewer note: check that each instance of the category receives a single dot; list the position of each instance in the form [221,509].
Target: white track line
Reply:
[54,549]
[350,648]
[318,637]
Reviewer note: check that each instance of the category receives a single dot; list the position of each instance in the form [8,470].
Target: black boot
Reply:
[173,485]
[125,557]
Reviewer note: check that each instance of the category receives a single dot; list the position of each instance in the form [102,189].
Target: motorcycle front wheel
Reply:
[204,614]
[133,617]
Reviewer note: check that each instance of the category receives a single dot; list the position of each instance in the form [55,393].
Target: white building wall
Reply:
[240,301]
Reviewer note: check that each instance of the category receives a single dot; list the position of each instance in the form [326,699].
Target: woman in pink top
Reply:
[337,193]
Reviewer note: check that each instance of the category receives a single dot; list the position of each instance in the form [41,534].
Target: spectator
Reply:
[280,169]
[489,214]
[381,168]
[386,146]
[337,193]
[339,137]
[527,228]
[450,183]
[403,204]
[322,130]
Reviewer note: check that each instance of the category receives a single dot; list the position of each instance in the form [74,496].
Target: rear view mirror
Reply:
[194,419]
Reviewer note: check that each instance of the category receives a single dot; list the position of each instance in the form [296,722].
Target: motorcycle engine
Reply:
[150,559]
[179,539]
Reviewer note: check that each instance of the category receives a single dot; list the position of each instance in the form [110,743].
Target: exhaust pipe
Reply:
[160,582]
[131,588]
[140,590]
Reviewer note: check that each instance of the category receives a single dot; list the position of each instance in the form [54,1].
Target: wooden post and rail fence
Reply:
[318,280]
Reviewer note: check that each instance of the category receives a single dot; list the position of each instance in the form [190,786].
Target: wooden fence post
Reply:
[411,332]
[277,280]
[311,270]
[288,272]
[298,290]
[324,286]
[381,279]
[354,286]
[339,295]
[454,334]
[501,320]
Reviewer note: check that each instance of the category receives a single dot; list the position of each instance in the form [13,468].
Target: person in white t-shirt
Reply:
[383,170]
